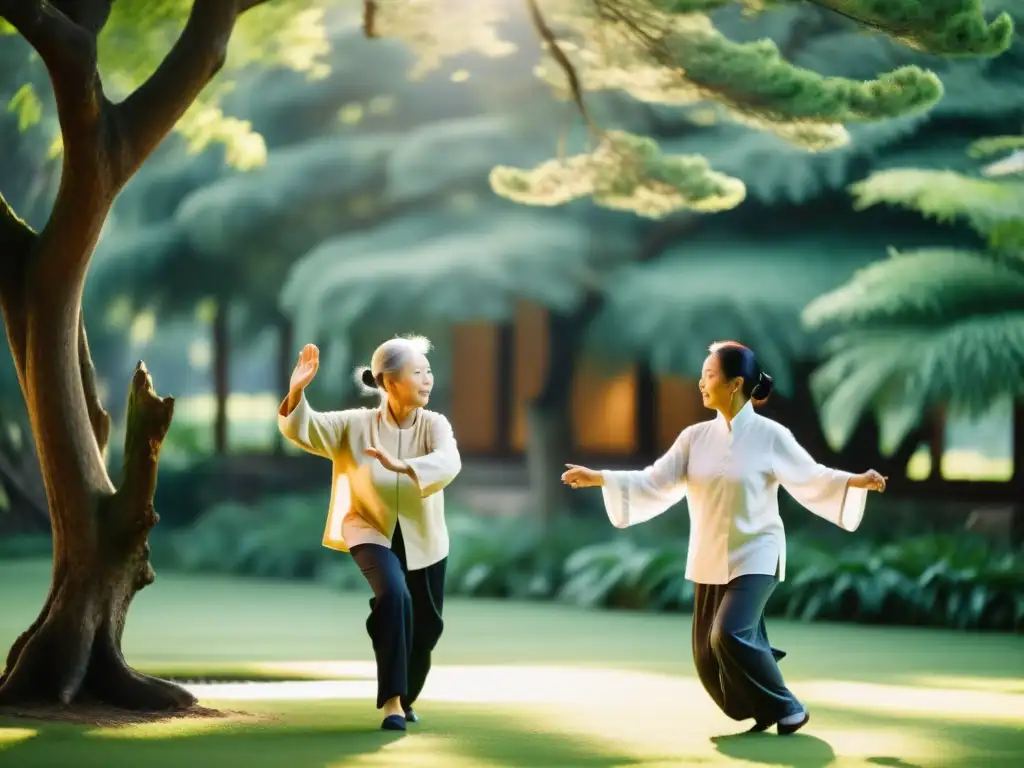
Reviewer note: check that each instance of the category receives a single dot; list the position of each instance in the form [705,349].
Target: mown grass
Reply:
[520,684]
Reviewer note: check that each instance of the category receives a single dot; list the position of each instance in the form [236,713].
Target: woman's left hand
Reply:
[870,480]
[386,461]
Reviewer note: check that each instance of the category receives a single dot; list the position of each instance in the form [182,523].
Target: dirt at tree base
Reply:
[102,716]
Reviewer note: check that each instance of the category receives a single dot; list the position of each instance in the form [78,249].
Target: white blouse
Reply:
[368,500]
[730,476]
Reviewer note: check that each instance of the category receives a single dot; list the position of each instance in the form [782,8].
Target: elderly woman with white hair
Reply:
[390,466]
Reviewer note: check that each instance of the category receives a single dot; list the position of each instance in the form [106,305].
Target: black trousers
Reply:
[735,662]
[405,617]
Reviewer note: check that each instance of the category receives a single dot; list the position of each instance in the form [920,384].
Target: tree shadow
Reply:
[892,762]
[311,736]
[800,750]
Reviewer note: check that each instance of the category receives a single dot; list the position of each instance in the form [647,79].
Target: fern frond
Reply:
[924,287]
[994,209]
[898,372]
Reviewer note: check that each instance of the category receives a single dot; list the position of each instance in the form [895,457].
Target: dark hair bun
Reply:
[368,379]
[763,389]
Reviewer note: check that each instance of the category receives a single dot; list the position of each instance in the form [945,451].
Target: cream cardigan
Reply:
[367,500]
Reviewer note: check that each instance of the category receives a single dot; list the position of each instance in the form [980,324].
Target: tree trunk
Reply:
[72,651]
[549,421]
[221,376]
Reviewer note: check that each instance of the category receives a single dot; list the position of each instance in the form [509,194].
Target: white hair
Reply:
[388,359]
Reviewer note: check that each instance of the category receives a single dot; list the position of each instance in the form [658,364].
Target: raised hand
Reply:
[306,368]
[581,477]
[870,480]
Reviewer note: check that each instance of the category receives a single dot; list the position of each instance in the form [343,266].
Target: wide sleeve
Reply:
[434,470]
[632,497]
[820,489]
[321,434]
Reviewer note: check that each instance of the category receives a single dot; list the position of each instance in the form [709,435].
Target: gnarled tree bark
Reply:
[72,651]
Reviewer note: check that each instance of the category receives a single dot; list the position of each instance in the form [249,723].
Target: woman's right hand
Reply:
[581,477]
[306,368]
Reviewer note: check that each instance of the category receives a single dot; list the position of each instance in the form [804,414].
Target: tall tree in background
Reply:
[670,56]
[646,48]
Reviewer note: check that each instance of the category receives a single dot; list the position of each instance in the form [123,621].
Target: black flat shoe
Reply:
[393,723]
[761,726]
[411,716]
[786,730]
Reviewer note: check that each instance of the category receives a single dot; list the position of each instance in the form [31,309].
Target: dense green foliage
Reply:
[928,326]
[939,579]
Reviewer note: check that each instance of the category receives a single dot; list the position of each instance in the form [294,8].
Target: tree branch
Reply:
[69,53]
[90,15]
[98,417]
[16,242]
[148,419]
[16,236]
[150,113]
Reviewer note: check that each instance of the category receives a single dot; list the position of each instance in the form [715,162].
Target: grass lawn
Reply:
[523,685]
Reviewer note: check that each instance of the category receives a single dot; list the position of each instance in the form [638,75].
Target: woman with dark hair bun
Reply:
[730,469]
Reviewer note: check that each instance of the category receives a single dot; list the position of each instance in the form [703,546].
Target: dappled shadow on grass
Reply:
[998,744]
[307,735]
[800,750]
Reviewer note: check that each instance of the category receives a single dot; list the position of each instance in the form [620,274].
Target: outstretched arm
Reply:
[633,497]
[832,494]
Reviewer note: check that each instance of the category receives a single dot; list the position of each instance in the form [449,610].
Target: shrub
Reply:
[936,579]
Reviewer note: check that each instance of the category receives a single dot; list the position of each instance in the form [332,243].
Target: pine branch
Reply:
[943,27]
[150,113]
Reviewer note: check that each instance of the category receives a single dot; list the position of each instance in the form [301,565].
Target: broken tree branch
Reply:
[148,419]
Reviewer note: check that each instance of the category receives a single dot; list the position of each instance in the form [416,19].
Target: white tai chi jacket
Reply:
[367,500]
[730,475]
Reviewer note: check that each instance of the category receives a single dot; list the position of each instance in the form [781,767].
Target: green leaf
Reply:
[921,288]
[26,105]
[994,209]
[966,364]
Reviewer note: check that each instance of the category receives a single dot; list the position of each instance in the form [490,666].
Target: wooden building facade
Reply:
[630,417]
